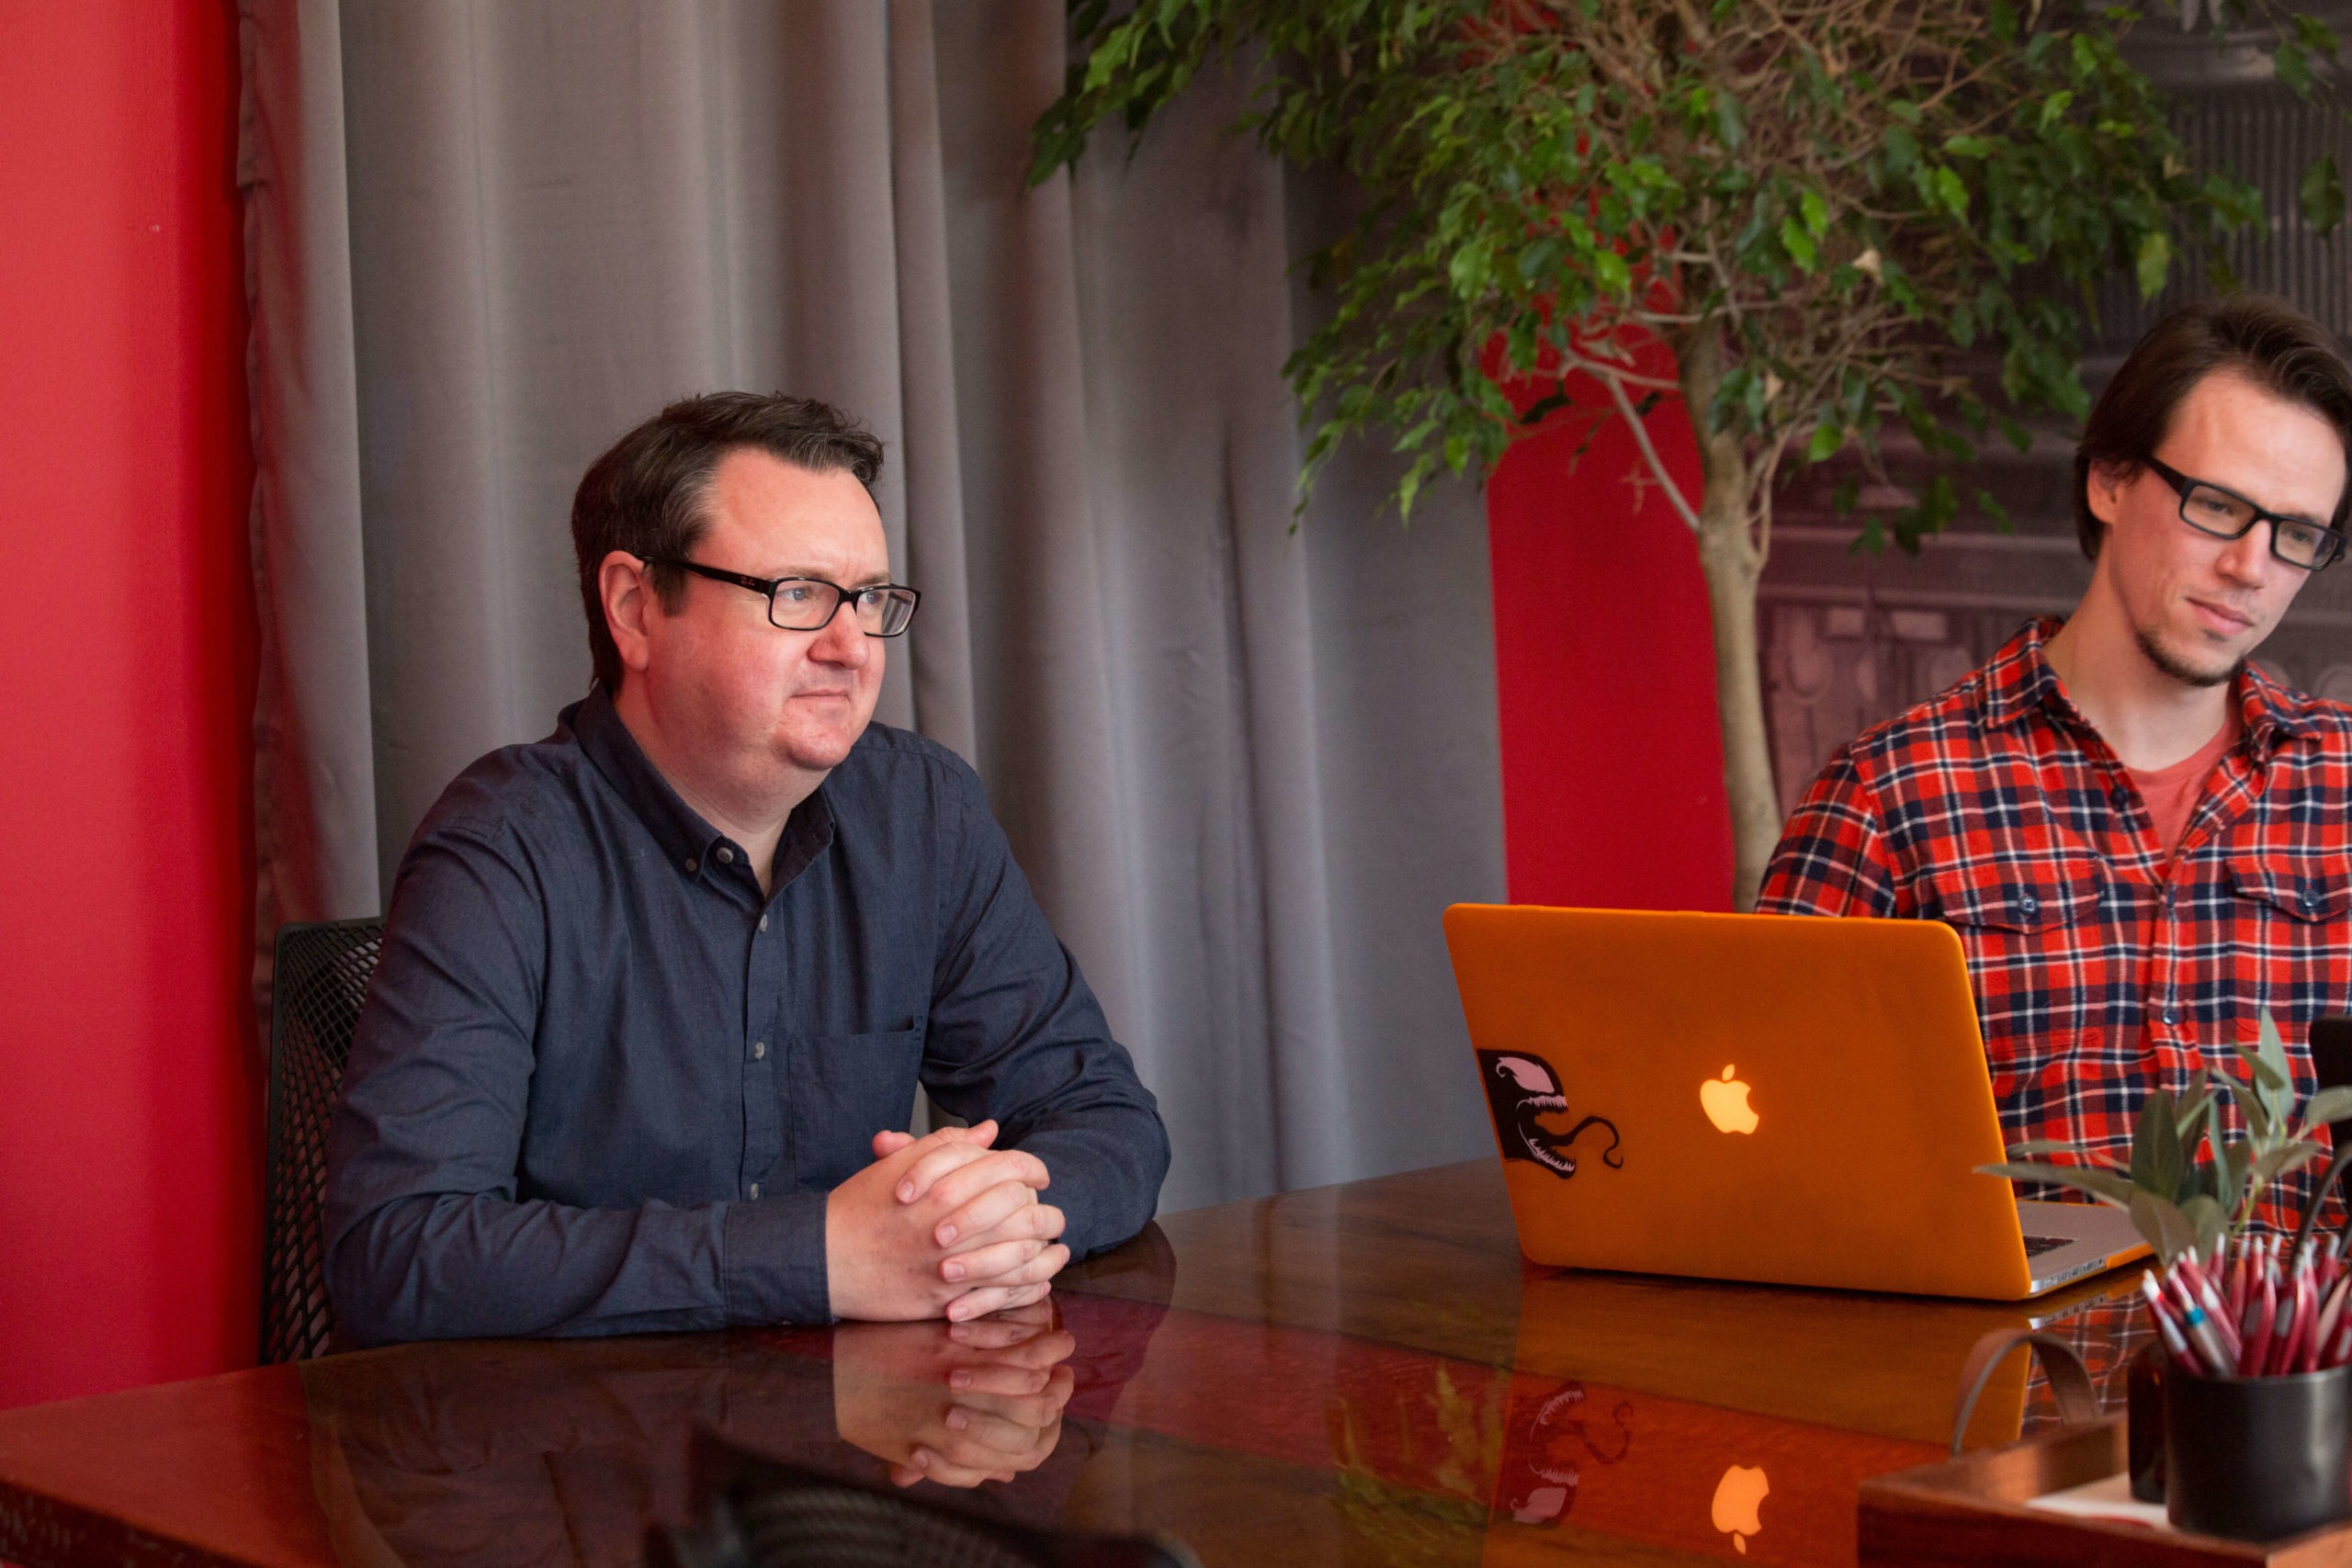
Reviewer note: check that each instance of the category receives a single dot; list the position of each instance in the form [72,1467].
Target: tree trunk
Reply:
[1731,557]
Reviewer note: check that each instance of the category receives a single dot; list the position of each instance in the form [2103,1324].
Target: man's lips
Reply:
[2219,618]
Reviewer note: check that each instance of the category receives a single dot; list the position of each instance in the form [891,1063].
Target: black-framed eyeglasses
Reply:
[2225,514]
[809,603]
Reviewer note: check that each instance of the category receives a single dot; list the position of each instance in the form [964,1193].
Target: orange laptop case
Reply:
[1615,1047]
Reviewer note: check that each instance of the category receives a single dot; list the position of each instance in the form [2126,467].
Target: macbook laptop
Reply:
[1777,1099]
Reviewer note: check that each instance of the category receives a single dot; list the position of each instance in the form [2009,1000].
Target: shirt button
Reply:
[763,922]
[693,865]
[726,855]
[2308,898]
[2172,1015]
[2029,905]
[753,1192]
[759,1050]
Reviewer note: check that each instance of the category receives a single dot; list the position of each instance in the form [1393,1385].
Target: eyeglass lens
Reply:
[801,604]
[2216,512]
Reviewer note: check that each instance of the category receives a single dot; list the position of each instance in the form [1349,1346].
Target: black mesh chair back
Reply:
[320,979]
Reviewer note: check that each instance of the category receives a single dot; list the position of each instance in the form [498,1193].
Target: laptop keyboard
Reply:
[2035,1245]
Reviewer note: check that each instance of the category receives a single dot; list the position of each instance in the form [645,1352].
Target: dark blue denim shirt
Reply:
[602,1085]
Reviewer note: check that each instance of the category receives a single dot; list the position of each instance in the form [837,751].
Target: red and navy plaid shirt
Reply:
[2104,966]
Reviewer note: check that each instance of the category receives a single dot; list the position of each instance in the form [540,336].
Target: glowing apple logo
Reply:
[1725,1099]
[1738,1495]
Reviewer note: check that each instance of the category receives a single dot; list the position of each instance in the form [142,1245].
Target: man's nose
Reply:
[2247,557]
[841,641]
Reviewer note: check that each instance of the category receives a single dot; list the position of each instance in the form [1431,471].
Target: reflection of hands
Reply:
[996,1240]
[958,1404]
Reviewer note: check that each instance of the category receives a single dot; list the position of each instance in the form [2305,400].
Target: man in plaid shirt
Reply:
[2140,839]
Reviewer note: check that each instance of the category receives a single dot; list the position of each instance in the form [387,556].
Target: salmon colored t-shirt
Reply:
[2172,793]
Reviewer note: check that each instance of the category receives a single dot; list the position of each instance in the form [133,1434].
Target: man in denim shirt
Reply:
[657,991]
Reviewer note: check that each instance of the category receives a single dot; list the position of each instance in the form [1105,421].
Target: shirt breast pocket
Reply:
[2306,889]
[2035,938]
[843,1089]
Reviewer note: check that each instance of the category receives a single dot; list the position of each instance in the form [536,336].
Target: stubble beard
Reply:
[2173,665]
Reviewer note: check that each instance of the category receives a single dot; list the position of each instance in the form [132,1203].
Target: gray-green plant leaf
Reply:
[2207,1219]
[2156,1160]
[2161,1222]
[2277,1078]
[2108,1186]
[2327,1105]
[2249,1104]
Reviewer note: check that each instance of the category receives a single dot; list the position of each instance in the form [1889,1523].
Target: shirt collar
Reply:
[2018,681]
[685,839]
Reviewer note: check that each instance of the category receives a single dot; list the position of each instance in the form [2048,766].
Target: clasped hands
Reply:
[942,1225]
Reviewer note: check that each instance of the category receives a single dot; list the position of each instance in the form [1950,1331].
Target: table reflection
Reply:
[508,1451]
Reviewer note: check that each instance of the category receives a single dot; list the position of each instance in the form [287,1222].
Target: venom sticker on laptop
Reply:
[1519,1089]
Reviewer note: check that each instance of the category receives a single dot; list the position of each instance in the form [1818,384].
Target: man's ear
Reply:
[2104,487]
[630,603]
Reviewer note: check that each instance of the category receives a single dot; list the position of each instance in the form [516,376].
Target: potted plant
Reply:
[1800,219]
[2191,1181]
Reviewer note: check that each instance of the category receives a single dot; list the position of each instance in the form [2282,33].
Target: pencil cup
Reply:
[2145,1433]
[2257,1459]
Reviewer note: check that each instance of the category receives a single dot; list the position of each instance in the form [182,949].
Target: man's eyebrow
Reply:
[809,574]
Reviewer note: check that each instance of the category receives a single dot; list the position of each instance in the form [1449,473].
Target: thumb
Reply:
[887,1143]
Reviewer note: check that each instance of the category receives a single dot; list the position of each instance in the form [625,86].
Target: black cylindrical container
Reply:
[2257,1459]
[2144,1410]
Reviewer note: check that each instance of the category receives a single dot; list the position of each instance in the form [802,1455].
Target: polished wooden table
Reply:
[1355,1374]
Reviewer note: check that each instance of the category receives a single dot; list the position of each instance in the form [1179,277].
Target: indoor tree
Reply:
[1810,220]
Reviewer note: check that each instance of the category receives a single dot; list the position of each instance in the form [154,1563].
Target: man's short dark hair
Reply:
[645,495]
[2258,336]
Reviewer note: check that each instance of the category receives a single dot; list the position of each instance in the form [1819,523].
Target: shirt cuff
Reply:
[773,1271]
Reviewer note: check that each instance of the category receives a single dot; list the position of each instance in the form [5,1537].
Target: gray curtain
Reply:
[1246,763]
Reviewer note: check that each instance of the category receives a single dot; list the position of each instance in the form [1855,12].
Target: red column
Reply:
[128,1092]
[1604,669]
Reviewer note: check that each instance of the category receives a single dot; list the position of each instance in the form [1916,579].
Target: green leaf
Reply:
[2249,1104]
[2156,1160]
[2231,1163]
[2194,1115]
[2327,1105]
[2044,1147]
[2162,1224]
[2054,107]
[2321,194]
[1827,437]
[2153,262]
[1951,192]
[2207,1219]
[1610,271]
[1816,213]
[2271,1164]
[2274,1079]
[2108,1186]
[1728,129]
[2293,62]
[1797,242]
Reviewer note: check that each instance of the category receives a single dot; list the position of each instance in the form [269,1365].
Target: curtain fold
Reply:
[314,756]
[1245,764]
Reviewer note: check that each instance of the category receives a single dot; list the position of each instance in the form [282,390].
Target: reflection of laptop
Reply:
[1771,1098]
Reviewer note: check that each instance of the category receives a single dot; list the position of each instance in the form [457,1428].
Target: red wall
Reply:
[127,1072]
[1604,672]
